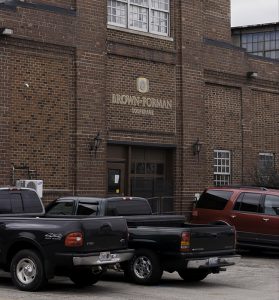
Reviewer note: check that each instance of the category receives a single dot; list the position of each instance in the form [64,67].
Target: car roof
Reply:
[93,199]
[253,189]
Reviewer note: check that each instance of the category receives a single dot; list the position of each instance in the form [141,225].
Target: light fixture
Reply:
[95,144]
[253,75]
[197,147]
[6,31]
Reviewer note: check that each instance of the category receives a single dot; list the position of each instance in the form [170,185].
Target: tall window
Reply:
[143,15]
[222,167]
[266,161]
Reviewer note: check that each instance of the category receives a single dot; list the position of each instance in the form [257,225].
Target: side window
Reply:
[5,203]
[271,205]
[214,199]
[88,209]
[61,208]
[249,202]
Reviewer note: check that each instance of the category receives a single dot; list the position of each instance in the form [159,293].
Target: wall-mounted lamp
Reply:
[6,31]
[253,75]
[197,147]
[95,144]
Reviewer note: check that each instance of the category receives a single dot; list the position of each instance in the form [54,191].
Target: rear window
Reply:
[214,199]
[31,202]
[5,203]
[128,208]
[18,202]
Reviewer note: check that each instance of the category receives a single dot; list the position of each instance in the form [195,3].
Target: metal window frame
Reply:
[224,174]
[149,10]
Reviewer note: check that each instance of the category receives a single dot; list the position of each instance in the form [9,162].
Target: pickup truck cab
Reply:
[34,248]
[161,242]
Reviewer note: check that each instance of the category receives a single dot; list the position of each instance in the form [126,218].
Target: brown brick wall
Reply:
[74,64]
[223,113]
[41,108]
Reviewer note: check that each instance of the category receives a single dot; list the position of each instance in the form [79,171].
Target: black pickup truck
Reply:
[34,248]
[161,242]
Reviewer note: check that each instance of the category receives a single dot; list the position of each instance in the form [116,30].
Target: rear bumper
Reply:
[95,259]
[213,262]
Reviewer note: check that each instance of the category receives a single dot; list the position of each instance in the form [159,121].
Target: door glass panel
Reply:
[271,205]
[250,202]
[114,178]
[61,208]
[88,209]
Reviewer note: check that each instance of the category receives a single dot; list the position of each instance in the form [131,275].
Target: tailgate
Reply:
[212,238]
[104,234]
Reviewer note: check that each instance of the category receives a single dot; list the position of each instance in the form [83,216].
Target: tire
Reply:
[193,275]
[144,268]
[27,271]
[84,277]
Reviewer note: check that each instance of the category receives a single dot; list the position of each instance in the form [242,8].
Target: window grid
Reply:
[222,167]
[143,15]
[266,161]
[264,44]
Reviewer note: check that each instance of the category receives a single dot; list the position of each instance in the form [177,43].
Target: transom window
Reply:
[143,15]
[222,167]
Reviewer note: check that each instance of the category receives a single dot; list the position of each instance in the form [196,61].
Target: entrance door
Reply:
[116,177]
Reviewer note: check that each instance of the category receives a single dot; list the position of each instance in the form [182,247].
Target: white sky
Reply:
[251,12]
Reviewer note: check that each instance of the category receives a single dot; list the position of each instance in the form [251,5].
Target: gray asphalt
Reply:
[255,277]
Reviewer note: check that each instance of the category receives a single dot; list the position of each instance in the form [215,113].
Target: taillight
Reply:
[74,239]
[194,213]
[185,241]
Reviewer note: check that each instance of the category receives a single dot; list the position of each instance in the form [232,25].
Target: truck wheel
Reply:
[193,275]
[144,268]
[84,277]
[27,270]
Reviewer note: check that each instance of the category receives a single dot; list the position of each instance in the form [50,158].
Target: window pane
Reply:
[117,12]
[138,17]
[271,205]
[250,202]
[221,167]
[61,208]
[87,209]
[159,21]
[140,2]
[5,203]
[160,4]
[17,205]
[214,200]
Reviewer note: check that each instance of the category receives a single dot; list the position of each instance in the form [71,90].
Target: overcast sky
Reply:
[251,12]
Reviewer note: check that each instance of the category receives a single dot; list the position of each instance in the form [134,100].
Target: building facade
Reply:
[126,97]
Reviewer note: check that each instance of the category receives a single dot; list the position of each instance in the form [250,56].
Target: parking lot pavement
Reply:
[255,277]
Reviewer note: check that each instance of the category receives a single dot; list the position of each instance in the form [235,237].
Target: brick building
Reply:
[116,97]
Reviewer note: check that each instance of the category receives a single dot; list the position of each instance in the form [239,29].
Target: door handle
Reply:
[265,219]
[233,216]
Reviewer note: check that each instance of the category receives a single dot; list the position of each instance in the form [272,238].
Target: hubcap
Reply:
[142,267]
[26,271]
